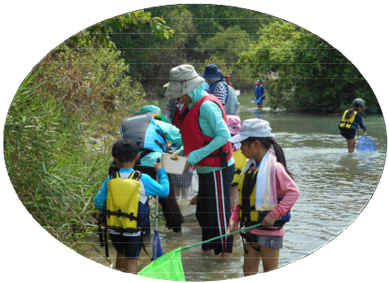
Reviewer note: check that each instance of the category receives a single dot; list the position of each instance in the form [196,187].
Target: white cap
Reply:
[257,128]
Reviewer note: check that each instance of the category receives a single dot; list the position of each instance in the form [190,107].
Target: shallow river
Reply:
[334,188]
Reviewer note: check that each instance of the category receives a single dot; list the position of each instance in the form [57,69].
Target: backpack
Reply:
[232,104]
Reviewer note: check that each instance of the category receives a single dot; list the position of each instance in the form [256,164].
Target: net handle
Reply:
[222,236]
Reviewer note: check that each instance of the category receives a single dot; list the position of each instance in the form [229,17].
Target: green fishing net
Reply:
[167,267]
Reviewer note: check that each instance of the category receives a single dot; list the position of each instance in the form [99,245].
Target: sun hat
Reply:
[183,79]
[359,101]
[212,73]
[257,128]
[233,123]
[124,146]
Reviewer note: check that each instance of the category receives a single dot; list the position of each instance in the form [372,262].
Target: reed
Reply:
[53,167]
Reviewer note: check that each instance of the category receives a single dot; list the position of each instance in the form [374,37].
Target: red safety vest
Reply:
[193,138]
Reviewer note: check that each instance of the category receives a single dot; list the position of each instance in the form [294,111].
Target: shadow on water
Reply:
[334,187]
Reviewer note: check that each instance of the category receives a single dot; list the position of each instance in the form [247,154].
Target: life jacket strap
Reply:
[249,238]
[223,155]
[145,152]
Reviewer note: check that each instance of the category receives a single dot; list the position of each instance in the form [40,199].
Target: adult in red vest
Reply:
[205,137]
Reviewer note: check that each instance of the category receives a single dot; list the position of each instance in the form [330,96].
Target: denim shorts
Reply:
[274,242]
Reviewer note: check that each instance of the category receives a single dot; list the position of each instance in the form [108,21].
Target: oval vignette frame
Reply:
[313,262]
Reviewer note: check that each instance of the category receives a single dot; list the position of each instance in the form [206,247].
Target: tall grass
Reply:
[53,167]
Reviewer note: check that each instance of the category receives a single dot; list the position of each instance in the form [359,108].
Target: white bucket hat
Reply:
[183,79]
[257,128]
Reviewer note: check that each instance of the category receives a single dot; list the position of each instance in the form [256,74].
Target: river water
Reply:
[334,186]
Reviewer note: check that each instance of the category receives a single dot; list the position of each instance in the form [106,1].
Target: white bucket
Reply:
[173,166]
[185,207]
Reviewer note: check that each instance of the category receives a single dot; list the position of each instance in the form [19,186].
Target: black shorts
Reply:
[348,134]
[126,243]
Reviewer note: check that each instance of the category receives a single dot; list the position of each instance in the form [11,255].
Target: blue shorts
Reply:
[126,243]
[274,242]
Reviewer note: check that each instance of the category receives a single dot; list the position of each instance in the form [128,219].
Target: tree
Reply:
[308,74]
[99,33]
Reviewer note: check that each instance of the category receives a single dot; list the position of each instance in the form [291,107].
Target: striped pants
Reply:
[213,209]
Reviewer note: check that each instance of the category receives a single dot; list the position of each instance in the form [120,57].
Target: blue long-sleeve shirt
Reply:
[150,186]
[358,119]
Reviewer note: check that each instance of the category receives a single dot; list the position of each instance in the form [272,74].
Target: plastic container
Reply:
[185,207]
[173,166]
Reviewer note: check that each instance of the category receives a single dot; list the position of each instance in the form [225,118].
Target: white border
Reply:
[31,29]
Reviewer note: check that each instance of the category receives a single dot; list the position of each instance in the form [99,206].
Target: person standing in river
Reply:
[350,121]
[267,193]
[216,84]
[205,137]
[151,130]
[259,94]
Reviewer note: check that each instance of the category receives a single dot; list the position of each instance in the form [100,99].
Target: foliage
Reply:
[307,72]
[99,33]
[151,58]
[225,49]
[53,168]
[66,72]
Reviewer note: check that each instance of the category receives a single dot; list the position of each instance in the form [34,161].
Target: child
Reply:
[259,94]
[126,235]
[266,190]
[350,121]
[233,123]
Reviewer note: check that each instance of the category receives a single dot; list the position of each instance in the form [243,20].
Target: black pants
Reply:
[213,209]
[171,210]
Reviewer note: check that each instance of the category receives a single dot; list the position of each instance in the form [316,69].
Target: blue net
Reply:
[157,247]
[365,144]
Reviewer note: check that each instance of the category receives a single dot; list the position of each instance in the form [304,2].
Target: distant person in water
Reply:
[349,123]
[259,94]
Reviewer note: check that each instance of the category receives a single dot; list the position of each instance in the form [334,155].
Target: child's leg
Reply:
[185,193]
[131,265]
[177,192]
[251,260]
[351,145]
[120,261]
[270,258]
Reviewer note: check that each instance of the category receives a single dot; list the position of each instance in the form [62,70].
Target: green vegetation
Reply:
[306,73]
[57,135]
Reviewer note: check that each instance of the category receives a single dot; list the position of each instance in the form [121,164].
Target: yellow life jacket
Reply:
[240,162]
[347,123]
[123,201]
[248,215]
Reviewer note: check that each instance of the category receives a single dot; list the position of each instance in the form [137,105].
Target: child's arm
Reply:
[234,220]
[153,188]
[101,196]
[286,189]
[358,117]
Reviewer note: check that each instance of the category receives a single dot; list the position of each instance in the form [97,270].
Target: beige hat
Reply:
[183,79]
